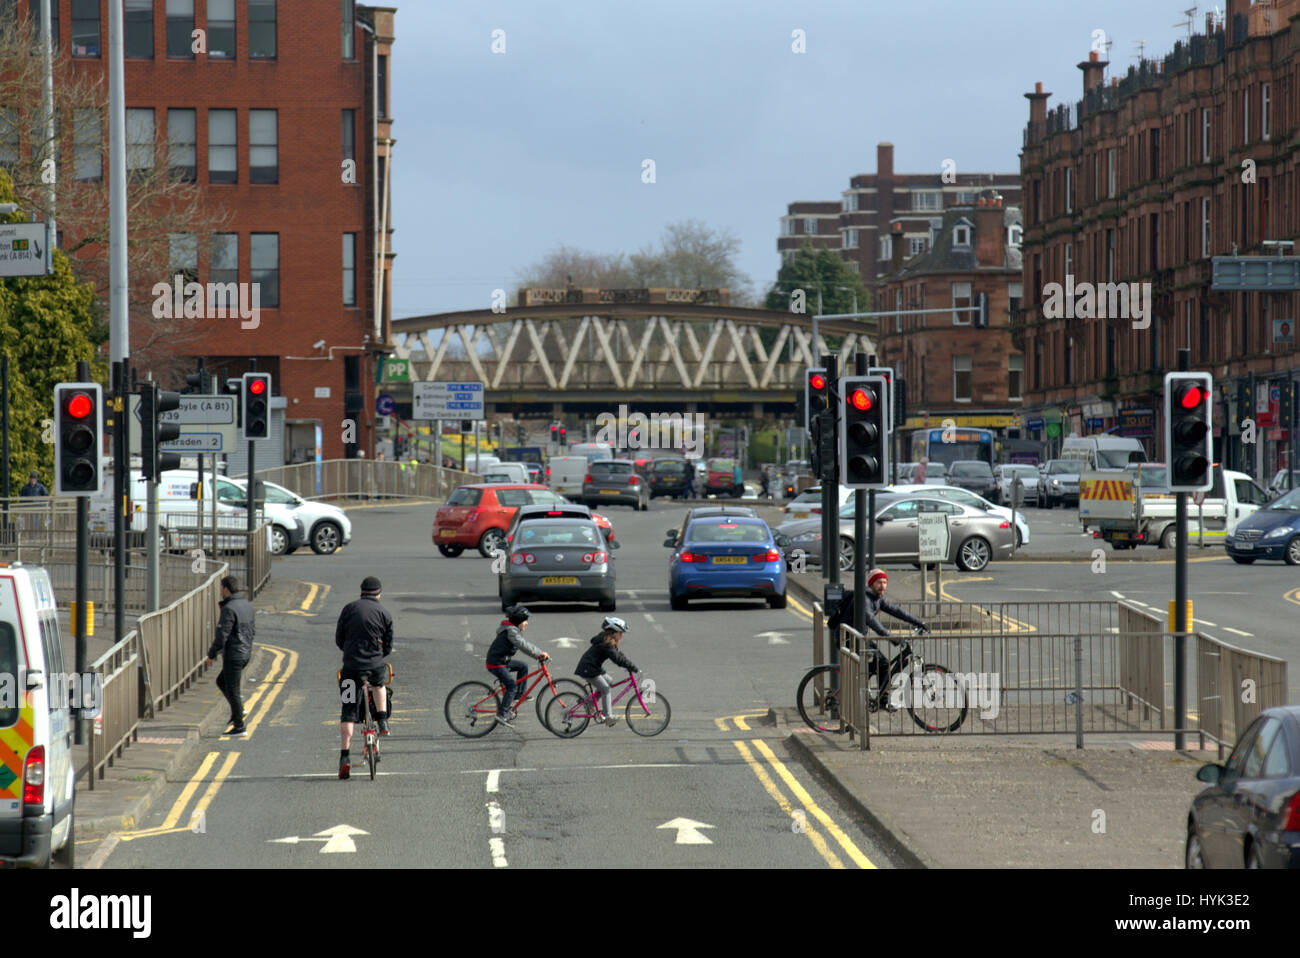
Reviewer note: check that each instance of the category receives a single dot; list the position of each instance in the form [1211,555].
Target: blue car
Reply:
[724,557]
[1271,533]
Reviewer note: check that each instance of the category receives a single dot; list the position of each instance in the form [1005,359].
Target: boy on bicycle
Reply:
[510,639]
[590,666]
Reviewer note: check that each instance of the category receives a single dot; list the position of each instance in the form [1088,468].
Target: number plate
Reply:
[447,533]
[730,560]
[559,580]
[1120,537]
[609,492]
[801,515]
[1245,546]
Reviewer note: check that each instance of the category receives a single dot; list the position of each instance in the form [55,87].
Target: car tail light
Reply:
[1004,524]
[34,776]
[693,557]
[1292,822]
[510,538]
[596,557]
[816,509]
[587,478]
[634,480]
[548,472]
[771,555]
[522,558]
[554,512]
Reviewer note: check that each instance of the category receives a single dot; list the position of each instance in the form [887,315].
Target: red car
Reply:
[477,516]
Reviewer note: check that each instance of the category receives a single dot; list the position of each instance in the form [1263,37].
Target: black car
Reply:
[1271,533]
[1249,817]
[668,477]
[977,476]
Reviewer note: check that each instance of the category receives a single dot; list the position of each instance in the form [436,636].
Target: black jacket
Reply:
[364,633]
[590,665]
[235,630]
[509,639]
[36,490]
[875,605]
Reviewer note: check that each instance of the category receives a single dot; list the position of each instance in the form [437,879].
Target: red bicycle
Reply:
[472,707]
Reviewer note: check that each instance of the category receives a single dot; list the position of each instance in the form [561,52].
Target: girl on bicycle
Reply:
[590,666]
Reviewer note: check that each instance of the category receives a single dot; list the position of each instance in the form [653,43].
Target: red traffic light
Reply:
[1192,397]
[861,399]
[257,386]
[80,406]
[817,381]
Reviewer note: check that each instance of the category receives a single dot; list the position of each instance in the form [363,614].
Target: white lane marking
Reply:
[1203,622]
[494,780]
[469,646]
[566,642]
[648,616]
[658,627]
[584,768]
[498,848]
[1248,635]
[1118,595]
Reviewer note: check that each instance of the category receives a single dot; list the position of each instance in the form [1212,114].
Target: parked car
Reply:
[477,516]
[1272,532]
[975,475]
[809,502]
[968,498]
[1249,816]
[615,481]
[724,478]
[700,512]
[1028,476]
[725,556]
[327,527]
[1278,487]
[559,560]
[1060,482]
[668,477]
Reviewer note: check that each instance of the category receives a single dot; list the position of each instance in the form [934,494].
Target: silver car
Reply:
[615,480]
[1028,482]
[559,560]
[1060,482]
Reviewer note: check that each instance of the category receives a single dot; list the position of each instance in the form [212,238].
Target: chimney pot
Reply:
[1094,57]
[1038,87]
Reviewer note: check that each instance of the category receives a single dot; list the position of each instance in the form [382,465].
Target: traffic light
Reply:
[887,374]
[521,434]
[466,425]
[199,382]
[864,432]
[816,390]
[821,448]
[1188,431]
[255,392]
[78,419]
[898,403]
[1245,402]
[563,434]
[153,433]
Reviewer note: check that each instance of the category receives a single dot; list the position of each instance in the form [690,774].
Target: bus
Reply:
[963,443]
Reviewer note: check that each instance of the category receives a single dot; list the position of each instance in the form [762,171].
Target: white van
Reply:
[37,778]
[567,475]
[1103,452]
[592,450]
[475,463]
[507,472]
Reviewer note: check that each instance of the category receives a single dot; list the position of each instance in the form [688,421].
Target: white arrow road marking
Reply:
[336,839]
[688,831]
[566,642]
[774,638]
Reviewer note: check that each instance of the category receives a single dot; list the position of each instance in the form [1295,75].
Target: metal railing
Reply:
[119,719]
[366,479]
[247,553]
[1232,687]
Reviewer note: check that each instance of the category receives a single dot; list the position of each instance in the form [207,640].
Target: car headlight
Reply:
[807,537]
[1056,482]
[1279,531]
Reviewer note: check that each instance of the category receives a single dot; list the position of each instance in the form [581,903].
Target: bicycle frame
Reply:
[541,671]
[627,685]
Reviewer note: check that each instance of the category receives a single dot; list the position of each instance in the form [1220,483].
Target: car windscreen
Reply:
[8,667]
[807,496]
[1118,458]
[510,498]
[725,532]
[933,469]
[670,467]
[556,532]
[605,469]
[1063,467]
[465,497]
[721,465]
[1288,503]
[971,470]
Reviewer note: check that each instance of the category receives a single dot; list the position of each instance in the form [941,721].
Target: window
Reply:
[223,147]
[851,202]
[221,29]
[1069,189]
[965,198]
[1205,134]
[1205,226]
[1015,235]
[1245,115]
[8,137]
[961,236]
[350,141]
[927,200]
[35,20]
[898,305]
[263,155]
[139,29]
[184,256]
[223,268]
[349,269]
[9,704]
[1276,763]
[1015,293]
[960,298]
[349,29]
[383,86]
[961,378]
[180,29]
[916,246]
[182,132]
[1015,376]
[1155,154]
[85,28]
[87,145]
[261,29]
[809,224]
[1265,101]
[264,261]
[1254,765]
[1110,256]
[139,142]
[1110,172]
[1069,259]
[850,239]
[886,247]
[1069,359]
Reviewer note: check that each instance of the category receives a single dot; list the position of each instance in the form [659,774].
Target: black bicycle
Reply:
[932,695]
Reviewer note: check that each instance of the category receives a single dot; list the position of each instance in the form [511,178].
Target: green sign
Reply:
[396,371]
[1053,429]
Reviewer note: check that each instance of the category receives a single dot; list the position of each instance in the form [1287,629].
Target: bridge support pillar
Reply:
[557,410]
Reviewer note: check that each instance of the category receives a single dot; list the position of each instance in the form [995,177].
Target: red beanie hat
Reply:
[874,575]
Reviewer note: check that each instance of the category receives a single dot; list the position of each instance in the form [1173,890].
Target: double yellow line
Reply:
[311,597]
[260,702]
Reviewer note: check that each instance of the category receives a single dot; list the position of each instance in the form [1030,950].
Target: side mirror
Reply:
[1209,773]
[881,520]
[671,532]
[614,545]
[670,542]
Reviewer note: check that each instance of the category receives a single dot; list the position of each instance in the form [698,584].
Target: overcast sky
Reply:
[502,157]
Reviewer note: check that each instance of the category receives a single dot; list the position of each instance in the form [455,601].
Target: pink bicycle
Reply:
[648,712]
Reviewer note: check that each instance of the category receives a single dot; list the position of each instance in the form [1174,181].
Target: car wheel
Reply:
[608,605]
[1168,538]
[677,602]
[279,541]
[326,538]
[450,551]
[492,541]
[1194,856]
[776,601]
[973,554]
[1243,560]
[1292,554]
[1020,540]
[846,553]
[66,857]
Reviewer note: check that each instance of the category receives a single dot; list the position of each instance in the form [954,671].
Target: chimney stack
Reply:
[897,242]
[1093,69]
[1038,107]
[989,243]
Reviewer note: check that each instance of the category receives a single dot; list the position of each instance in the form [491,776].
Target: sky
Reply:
[502,157]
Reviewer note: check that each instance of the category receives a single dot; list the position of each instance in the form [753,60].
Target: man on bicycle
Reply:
[877,583]
[365,634]
[510,639]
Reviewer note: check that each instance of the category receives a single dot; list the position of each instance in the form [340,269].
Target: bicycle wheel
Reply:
[567,715]
[544,695]
[471,709]
[648,718]
[371,757]
[938,702]
[818,705]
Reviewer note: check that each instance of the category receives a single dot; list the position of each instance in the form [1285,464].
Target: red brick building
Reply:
[279,111]
[954,367]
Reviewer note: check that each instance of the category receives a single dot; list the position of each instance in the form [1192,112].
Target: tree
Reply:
[819,270]
[161,205]
[47,324]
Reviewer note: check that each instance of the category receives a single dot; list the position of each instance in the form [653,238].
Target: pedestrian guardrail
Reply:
[119,717]
[367,479]
[1232,687]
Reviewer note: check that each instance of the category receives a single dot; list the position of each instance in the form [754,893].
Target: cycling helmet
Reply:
[613,623]
[518,614]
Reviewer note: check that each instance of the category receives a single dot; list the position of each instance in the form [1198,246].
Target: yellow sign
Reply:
[1105,489]
[970,422]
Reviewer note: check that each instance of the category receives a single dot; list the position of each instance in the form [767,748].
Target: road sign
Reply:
[932,529]
[23,249]
[1035,425]
[207,424]
[395,371]
[385,405]
[1247,273]
[447,400]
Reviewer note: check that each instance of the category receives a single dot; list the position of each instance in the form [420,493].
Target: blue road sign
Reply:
[385,405]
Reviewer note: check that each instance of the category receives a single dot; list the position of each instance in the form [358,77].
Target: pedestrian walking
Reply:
[689,492]
[34,486]
[234,643]
[919,477]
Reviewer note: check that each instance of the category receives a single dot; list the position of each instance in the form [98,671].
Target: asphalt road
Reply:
[517,798]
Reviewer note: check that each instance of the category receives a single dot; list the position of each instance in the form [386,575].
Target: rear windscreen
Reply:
[9,697]
[610,469]
[726,532]
[557,534]
[668,466]
[465,497]
[971,470]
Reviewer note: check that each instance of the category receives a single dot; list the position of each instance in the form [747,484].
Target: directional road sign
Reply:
[207,424]
[23,249]
[447,400]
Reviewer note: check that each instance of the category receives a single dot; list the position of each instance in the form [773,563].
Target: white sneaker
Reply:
[612,721]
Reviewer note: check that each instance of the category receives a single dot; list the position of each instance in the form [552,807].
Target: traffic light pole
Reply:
[83,576]
[252,474]
[121,462]
[862,531]
[1181,625]
[830,490]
